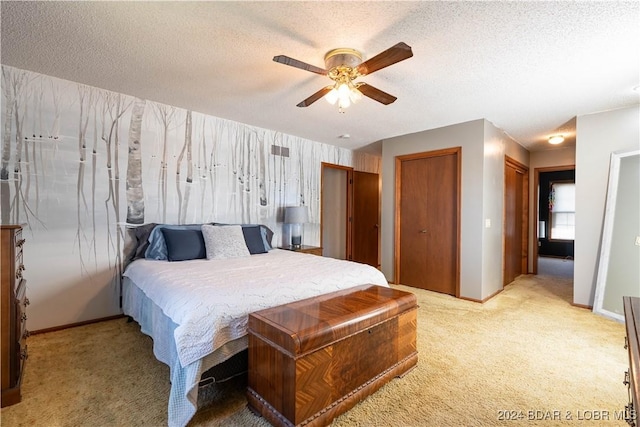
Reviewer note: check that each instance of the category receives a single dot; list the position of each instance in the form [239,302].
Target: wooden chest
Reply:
[312,360]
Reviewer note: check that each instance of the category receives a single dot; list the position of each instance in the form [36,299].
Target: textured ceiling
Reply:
[527,67]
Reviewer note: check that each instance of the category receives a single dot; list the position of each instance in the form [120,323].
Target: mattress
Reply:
[197,311]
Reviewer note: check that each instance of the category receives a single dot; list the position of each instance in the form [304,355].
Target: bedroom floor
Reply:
[527,349]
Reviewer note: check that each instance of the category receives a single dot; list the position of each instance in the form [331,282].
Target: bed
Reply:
[194,303]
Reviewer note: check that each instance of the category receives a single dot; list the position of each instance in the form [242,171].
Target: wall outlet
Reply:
[637,240]
[487,223]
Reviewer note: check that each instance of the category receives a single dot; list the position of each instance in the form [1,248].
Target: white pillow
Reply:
[224,241]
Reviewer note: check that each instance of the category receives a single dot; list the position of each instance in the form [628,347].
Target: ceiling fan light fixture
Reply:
[332,96]
[344,100]
[556,139]
[343,67]
[344,94]
[354,94]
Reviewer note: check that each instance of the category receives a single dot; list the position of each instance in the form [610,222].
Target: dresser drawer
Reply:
[21,303]
[19,267]
[13,314]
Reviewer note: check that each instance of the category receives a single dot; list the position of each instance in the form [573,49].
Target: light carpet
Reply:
[527,354]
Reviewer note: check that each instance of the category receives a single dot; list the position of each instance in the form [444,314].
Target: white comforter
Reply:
[210,300]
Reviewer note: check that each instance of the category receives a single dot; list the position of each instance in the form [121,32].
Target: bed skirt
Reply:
[185,380]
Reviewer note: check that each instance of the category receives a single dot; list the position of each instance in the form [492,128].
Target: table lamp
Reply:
[296,216]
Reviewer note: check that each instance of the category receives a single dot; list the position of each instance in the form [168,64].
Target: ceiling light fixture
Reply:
[556,139]
[344,94]
[342,65]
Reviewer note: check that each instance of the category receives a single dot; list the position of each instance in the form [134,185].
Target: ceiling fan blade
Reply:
[397,53]
[299,64]
[376,94]
[313,98]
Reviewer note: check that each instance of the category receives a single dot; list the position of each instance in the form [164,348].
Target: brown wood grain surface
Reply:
[13,327]
[632,323]
[366,212]
[308,360]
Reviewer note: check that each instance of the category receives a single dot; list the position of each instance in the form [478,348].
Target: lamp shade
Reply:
[296,215]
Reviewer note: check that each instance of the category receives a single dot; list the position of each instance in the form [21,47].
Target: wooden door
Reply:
[428,220]
[515,220]
[366,211]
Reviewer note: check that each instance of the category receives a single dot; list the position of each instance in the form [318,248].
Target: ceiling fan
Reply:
[343,66]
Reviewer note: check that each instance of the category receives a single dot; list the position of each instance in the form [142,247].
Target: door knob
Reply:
[423,231]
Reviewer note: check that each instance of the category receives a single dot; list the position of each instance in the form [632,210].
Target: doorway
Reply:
[350,214]
[552,253]
[336,211]
[427,226]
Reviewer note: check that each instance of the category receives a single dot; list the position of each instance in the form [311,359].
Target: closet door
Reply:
[427,220]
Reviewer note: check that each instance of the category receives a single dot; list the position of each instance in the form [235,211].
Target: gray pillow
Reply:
[142,237]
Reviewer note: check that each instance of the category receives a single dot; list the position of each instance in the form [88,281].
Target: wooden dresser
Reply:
[632,343]
[313,359]
[13,321]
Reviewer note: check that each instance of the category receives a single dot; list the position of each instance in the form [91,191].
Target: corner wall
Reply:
[497,145]
[598,135]
[484,147]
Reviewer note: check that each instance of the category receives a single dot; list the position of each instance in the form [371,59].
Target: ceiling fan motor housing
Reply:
[337,60]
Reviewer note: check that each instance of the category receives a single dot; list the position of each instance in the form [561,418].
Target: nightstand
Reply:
[314,250]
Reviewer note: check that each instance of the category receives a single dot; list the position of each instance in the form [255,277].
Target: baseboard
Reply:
[588,307]
[482,301]
[73,325]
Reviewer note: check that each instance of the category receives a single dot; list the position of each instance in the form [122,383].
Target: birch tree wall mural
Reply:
[81,165]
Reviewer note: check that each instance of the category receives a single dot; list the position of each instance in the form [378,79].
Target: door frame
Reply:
[398,214]
[536,184]
[524,266]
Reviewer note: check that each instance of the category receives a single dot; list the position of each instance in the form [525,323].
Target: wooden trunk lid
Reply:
[310,324]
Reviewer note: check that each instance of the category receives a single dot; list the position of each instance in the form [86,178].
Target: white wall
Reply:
[66,151]
[484,147]
[598,135]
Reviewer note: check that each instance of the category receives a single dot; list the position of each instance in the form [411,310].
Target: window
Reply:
[562,210]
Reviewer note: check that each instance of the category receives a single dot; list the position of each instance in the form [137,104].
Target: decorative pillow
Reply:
[183,245]
[224,242]
[142,233]
[266,232]
[267,236]
[253,239]
[157,248]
